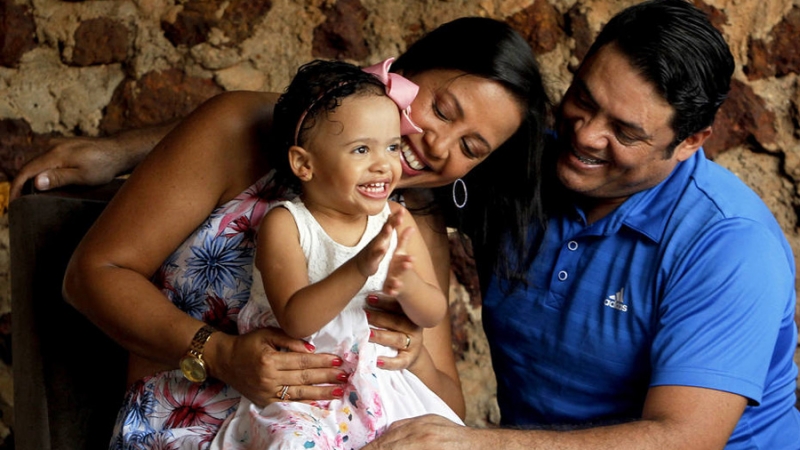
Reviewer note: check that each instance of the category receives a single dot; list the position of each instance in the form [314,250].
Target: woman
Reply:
[481,101]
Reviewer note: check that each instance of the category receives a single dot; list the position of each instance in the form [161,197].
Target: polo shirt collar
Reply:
[647,212]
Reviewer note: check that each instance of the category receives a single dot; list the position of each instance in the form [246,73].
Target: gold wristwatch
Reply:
[192,364]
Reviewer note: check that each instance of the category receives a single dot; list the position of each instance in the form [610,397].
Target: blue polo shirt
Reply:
[688,283]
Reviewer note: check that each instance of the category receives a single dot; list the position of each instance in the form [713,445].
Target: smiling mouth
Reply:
[375,188]
[587,160]
[411,158]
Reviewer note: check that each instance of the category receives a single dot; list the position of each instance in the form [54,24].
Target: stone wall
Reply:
[96,67]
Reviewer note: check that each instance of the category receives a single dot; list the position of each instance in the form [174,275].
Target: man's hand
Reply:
[78,160]
[423,433]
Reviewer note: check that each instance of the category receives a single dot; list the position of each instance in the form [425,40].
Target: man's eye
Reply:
[626,139]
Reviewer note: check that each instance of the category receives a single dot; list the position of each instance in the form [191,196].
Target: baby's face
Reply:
[355,156]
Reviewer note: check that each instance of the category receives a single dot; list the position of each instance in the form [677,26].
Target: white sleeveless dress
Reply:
[373,398]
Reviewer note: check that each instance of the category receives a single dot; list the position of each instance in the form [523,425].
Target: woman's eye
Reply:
[467,150]
[439,112]
[583,102]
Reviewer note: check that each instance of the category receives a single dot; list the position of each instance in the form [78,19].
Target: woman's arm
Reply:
[208,159]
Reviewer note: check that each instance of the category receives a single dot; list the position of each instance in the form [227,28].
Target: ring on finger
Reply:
[408,342]
[282,394]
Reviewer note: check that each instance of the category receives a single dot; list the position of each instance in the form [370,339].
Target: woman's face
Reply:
[464,118]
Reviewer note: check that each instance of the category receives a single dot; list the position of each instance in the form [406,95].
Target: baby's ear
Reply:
[300,162]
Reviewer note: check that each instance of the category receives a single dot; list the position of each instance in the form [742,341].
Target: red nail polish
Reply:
[337,362]
[372,299]
[367,313]
[342,377]
[380,363]
[310,347]
[338,392]
[371,334]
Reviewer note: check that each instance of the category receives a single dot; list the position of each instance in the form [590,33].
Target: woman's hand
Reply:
[432,363]
[254,365]
[394,330]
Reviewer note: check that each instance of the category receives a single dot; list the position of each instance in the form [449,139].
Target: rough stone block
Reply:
[17,32]
[341,36]
[100,41]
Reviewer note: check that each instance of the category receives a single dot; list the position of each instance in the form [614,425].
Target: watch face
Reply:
[194,369]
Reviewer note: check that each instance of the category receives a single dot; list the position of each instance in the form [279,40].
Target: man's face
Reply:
[615,134]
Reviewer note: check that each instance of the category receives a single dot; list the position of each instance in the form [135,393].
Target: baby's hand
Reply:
[399,266]
[369,258]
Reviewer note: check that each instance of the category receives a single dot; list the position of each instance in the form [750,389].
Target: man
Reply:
[658,311]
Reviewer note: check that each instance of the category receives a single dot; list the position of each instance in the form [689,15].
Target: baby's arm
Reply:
[411,278]
[299,307]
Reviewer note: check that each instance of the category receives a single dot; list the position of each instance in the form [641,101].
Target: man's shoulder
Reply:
[718,190]
[715,201]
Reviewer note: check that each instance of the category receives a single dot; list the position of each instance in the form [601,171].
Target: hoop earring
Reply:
[463,188]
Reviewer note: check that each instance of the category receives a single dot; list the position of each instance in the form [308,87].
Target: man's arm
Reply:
[89,160]
[675,417]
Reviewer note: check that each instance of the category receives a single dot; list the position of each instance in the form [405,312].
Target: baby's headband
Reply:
[398,88]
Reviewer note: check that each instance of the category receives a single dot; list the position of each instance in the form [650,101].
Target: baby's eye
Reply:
[393,148]
[361,149]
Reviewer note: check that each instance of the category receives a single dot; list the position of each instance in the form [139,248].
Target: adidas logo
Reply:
[617,301]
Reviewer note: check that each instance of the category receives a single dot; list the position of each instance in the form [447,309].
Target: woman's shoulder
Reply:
[223,139]
[237,111]
[395,207]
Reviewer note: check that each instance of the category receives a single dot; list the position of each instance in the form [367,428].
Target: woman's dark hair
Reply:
[505,189]
[674,46]
[316,90]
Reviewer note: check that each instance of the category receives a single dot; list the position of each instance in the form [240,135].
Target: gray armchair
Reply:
[69,378]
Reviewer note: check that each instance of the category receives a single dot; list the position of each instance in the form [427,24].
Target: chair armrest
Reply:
[69,377]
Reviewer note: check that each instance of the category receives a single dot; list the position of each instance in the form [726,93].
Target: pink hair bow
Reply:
[401,90]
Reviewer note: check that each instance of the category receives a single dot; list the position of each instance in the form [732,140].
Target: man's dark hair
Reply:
[674,46]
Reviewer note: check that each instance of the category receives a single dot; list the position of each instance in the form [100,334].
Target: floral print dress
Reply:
[208,277]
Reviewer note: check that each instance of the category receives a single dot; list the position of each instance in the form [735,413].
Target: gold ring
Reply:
[408,342]
[283,392]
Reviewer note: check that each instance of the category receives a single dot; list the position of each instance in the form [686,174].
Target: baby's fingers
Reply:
[401,263]
[402,240]
[392,286]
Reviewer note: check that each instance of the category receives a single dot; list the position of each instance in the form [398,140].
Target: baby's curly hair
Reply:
[317,89]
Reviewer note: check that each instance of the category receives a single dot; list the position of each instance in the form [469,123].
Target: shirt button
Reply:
[562,275]
[572,245]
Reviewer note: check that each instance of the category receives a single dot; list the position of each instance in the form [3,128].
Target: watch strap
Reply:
[199,340]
